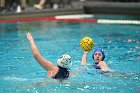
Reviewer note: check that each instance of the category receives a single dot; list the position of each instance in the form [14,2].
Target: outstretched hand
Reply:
[29,36]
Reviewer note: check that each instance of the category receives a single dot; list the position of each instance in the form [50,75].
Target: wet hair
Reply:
[99,50]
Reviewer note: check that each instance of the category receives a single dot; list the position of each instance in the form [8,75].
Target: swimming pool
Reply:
[20,73]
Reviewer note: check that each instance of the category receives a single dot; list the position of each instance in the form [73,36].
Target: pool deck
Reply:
[31,12]
[87,7]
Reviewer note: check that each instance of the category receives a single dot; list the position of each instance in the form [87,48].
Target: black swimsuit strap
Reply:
[62,73]
[95,66]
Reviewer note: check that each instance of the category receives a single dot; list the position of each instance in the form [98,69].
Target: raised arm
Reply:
[84,58]
[42,61]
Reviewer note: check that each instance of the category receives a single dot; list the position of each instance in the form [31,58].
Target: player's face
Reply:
[98,56]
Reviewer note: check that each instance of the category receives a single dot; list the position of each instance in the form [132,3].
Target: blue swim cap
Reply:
[99,50]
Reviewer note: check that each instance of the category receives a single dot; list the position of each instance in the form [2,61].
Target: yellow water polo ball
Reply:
[86,43]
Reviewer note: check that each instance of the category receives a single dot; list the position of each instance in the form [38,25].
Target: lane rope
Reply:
[107,21]
[85,18]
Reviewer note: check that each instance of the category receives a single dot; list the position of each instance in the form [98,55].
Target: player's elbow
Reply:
[36,55]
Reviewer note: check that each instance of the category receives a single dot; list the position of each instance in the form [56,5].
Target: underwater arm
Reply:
[71,75]
[84,58]
[42,61]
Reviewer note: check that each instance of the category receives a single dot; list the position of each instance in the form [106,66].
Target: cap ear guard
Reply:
[64,61]
[99,50]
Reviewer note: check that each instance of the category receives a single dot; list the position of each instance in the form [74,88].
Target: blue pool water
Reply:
[20,73]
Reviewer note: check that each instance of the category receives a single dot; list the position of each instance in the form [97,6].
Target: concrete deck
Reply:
[30,12]
[77,7]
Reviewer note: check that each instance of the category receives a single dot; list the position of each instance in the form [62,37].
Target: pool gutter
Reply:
[45,13]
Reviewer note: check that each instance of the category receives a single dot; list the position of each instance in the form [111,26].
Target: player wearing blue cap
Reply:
[98,57]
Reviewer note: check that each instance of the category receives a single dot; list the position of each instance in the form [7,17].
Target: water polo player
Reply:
[56,72]
[98,57]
